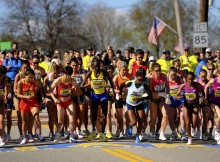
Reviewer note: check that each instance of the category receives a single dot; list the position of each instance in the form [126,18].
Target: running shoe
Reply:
[35,136]
[156,136]
[189,141]
[40,138]
[2,143]
[174,136]
[178,135]
[205,137]
[57,136]
[72,139]
[121,135]
[218,142]
[87,132]
[98,136]
[198,135]
[137,139]
[217,136]
[193,132]
[20,138]
[117,133]
[7,137]
[162,137]
[23,142]
[144,136]
[79,134]
[66,134]
[129,131]
[103,137]
[109,135]
[52,137]
[151,137]
[30,138]
[183,138]
[91,136]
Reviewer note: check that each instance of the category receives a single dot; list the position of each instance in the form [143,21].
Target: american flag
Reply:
[156,30]
[177,46]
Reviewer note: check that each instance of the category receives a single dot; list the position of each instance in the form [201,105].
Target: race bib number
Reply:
[29,93]
[217,93]
[65,92]
[190,96]
[173,92]
[159,87]
[1,92]
[135,98]
[97,84]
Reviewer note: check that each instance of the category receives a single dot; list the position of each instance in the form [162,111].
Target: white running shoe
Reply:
[72,139]
[218,142]
[198,135]
[140,137]
[193,132]
[2,143]
[79,134]
[217,136]
[23,142]
[162,137]
[189,141]
[121,135]
[57,136]
[30,138]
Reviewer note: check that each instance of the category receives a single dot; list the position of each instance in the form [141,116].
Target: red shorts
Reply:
[27,105]
[65,104]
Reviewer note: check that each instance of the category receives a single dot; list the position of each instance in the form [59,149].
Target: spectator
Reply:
[127,56]
[86,58]
[109,56]
[165,62]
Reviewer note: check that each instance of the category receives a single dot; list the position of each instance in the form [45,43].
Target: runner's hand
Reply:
[56,101]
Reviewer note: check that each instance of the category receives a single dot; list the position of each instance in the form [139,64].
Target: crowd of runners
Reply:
[81,87]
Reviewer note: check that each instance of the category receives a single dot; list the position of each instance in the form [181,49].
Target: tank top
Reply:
[78,79]
[136,66]
[158,84]
[28,89]
[202,84]
[64,90]
[120,81]
[191,94]
[135,94]
[215,95]
[98,83]
[174,86]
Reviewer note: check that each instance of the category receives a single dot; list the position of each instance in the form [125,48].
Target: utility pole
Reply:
[203,13]
[178,24]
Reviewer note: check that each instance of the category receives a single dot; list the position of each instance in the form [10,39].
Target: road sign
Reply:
[200,27]
[200,40]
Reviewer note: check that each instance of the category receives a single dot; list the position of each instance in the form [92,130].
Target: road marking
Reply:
[132,155]
[119,155]
[27,148]
[99,144]
[174,145]
[45,126]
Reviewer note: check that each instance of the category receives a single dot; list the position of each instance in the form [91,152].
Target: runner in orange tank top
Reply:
[65,86]
[26,90]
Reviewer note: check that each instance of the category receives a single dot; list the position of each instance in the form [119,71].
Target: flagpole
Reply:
[167,26]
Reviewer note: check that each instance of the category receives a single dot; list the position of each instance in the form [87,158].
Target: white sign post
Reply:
[200,35]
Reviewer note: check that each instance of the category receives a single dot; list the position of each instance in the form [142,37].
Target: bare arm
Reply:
[19,91]
[88,75]
[17,78]
[210,83]
[53,86]
[180,90]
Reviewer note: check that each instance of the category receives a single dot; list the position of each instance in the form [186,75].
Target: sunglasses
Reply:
[35,63]
[211,69]
[157,71]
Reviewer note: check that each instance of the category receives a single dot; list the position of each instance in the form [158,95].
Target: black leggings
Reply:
[94,109]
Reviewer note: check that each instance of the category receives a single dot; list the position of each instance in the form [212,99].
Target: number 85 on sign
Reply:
[200,40]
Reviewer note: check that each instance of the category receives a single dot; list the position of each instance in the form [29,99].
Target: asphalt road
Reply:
[113,150]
